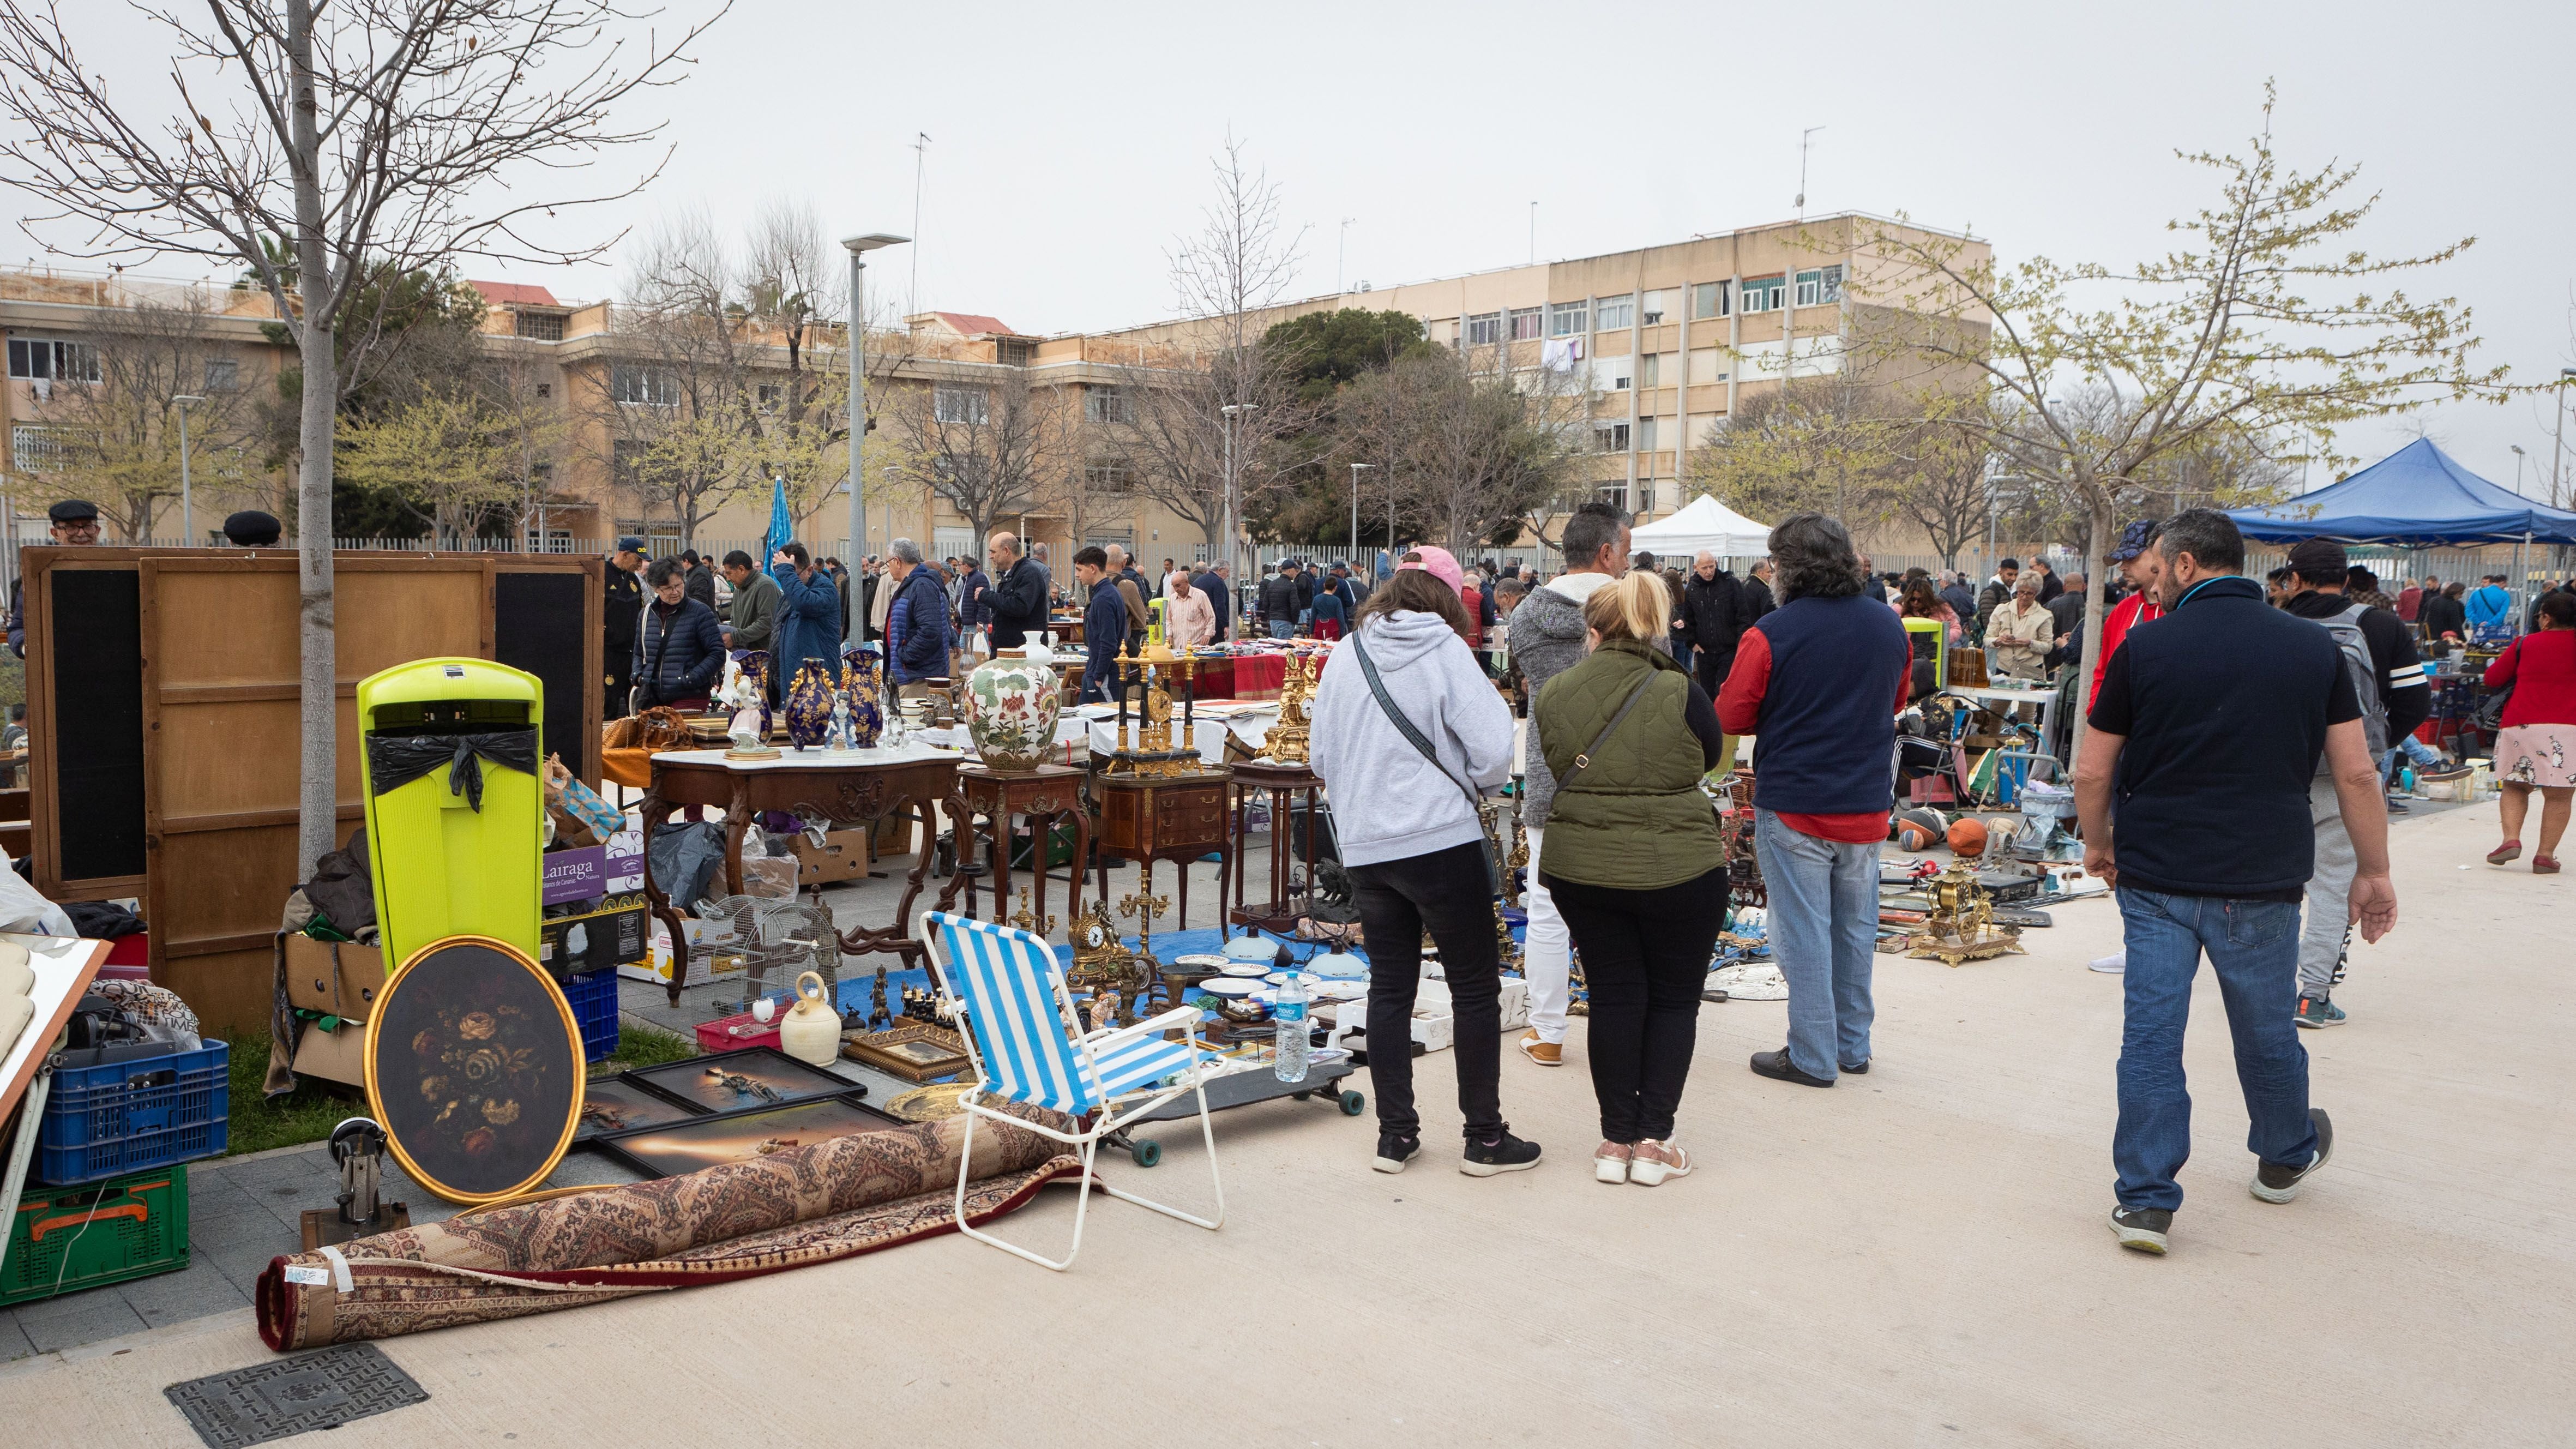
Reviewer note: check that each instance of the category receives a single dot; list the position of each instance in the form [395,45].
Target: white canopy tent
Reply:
[1703,523]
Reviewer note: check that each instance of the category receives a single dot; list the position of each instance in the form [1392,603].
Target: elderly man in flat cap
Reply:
[75,525]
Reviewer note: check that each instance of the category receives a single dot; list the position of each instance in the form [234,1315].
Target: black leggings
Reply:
[1645,958]
[1445,892]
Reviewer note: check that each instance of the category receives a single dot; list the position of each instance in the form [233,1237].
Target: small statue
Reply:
[747,698]
[840,739]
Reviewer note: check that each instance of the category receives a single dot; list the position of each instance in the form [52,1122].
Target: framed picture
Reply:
[919,1052]
[613,1104]
[736,1081]
[704,1142]
[474,1066]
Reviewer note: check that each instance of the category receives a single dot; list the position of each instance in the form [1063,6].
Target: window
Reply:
[1524,324]
[767,395]
[960,405]
[645,386]
[1833,283]
[1657,303]
[1013,351]
[60,361]
[1566,319]
[1612,314]
[39,448]
[1645,499]
[223,374]
[1485,329]
[543,326]
[1108,405]
[554,540]
[1764,294]
[1611,437]
[626,465]
[545,389]
[1108,478]
[1709,299]
[1646,435]
[1650,371]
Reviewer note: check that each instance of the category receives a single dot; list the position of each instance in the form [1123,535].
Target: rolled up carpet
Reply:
[791,1209]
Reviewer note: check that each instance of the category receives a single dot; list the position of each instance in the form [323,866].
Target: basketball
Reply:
[1968,837]
[1918,829]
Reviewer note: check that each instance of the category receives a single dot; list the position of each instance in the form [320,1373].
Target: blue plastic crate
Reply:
[127,1116]
[594,1008]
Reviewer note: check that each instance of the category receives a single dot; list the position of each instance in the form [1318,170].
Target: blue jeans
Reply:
[1823,925]
[2253,947]
[2422,755]
[1281,629]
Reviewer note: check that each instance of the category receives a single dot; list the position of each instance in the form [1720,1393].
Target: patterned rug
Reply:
[791,1209]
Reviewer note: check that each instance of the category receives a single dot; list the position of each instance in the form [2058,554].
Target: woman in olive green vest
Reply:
[1636,863]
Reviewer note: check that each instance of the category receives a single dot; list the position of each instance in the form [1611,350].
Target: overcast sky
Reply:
[1070,143]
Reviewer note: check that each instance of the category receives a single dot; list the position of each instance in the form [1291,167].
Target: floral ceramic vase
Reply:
[809,704]
[867,701]
[1011,707]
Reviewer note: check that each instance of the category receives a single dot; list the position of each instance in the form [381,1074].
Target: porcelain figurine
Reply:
[809,704]
[839,739]
[1011,707]
[746,696]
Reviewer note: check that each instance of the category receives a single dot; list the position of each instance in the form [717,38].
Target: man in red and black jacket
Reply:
[1819,681]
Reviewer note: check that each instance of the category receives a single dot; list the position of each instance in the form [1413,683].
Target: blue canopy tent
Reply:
[2416,497]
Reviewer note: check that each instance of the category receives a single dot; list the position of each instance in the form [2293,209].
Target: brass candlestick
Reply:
[1149,905]
[1033,922]
[1287,743]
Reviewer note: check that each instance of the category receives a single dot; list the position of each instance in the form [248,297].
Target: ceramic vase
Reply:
[1011,709]
[811,1032]
[809,704]
[867,704]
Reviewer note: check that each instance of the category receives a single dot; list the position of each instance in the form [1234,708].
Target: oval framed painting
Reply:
[474,1067]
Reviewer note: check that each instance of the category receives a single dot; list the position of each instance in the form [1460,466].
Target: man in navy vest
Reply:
[2193,791]
[1818,682]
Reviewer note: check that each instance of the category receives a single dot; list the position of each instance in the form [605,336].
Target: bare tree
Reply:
[113,430]
[991,448]
[676,401]
[358,134]
[1825,444]
[794,288]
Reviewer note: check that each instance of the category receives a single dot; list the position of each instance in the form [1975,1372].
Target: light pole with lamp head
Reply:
[859,247]
[187,499]
[2519,458]
[1233,550]
[1355,507]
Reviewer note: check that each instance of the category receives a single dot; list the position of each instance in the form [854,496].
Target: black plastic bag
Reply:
[394,761]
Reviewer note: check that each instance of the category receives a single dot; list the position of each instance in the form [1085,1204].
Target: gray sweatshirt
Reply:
[1389,802]
[1547,639]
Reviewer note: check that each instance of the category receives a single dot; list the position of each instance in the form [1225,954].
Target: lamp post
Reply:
[1355,506]
[2519,458]
[859,247]
[1233,551]
[187,499]
[2558,440]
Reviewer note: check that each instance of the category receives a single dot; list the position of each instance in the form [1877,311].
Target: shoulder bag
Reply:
[1414,736]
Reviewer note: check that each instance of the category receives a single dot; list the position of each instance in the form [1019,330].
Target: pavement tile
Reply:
[195,1291]
[78,1318]
[13,1339]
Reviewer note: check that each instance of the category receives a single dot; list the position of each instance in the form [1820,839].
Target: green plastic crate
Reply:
[64,1239]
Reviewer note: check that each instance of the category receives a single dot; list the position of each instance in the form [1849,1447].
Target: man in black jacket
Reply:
[1279,605]
[1756,596]
[618,621]
[697,580]
[1018,597]
[1712,620]
[1212,583]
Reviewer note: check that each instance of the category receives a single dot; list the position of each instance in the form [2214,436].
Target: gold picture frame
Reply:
[918,1052]
[558,1013]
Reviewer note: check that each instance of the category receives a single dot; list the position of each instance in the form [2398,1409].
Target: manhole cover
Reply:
[319,1390]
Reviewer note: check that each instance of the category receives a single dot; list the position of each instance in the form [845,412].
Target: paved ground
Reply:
[1917,1256]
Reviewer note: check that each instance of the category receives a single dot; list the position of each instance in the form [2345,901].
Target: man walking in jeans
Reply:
[1818,682]
[2193,792]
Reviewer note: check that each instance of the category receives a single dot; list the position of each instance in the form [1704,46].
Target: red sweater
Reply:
[2125,615]
[2542,669]
[1739,712]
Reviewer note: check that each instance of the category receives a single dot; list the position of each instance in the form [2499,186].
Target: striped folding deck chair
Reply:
[1024,1042]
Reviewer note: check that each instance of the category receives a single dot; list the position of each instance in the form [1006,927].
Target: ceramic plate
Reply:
[1229,986]
[1251,970]
[1200,961]
[1338,990]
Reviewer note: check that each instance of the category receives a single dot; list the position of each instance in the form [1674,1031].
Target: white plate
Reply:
[1229,986]
[1200,961]
[1252,970]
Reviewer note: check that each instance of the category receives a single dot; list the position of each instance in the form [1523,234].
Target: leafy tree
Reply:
[1326,350]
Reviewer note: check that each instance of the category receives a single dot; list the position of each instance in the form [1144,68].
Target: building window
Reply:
[1108,405]
[1765,294]
[1646,435]
[554,540]
[223,374]
[768,395]
[626,466]
[1709,299]
[58,361]
[1656,305]
[1567,319]
[543,326]
[1833,283]
[1524,324]
[1820,286]
[1614,313]
[545,389]
[1012,351]
[1485,329]
[1650,372]
[644,386]
[1611,437]
[38,448]
[1108,478]
[960,405]
[1614,494]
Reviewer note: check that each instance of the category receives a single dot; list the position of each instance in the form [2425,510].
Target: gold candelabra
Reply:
[1035,922]
[1152,752]
[1287,744]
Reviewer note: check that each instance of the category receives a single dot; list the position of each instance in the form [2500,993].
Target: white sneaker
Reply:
[2116,962]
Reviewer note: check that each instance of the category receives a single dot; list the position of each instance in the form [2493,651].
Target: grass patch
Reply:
[306,1114]
[644,1046]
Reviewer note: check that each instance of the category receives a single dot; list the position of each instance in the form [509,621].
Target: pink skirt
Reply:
[2536,754]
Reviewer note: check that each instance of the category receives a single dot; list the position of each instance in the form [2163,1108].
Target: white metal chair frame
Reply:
[1087,1047]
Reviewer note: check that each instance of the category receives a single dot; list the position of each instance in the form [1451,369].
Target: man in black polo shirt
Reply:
[2193,792]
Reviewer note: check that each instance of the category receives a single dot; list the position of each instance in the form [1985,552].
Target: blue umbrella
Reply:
[780,529]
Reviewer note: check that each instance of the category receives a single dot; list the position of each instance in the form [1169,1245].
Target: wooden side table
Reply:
[1050,792]
[1277,911]
[1146,818]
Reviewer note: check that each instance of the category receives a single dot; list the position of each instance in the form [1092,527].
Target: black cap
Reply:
[2319,559]
[251,528]
[629,543]
[73,510]
[2134,540]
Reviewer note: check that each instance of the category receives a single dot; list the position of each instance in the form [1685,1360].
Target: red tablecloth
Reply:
[1246,676]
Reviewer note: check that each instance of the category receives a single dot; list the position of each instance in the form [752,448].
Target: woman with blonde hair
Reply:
[1636,864]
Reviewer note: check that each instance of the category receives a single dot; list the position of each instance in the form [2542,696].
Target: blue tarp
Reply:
[2416,497]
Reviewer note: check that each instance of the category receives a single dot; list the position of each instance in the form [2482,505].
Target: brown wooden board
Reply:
[164,767]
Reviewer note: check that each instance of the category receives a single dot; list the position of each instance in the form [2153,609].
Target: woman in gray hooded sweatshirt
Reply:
[1404,762]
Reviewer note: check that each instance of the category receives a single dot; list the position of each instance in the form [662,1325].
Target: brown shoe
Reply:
[1655,1161]
[1545,1053]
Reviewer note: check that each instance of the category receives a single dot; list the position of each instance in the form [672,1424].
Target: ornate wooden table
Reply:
[1279,910]
[849,789]
[1146,818]
[1050,792]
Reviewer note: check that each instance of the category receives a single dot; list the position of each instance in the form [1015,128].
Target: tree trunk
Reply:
[2097,542]
[317,805]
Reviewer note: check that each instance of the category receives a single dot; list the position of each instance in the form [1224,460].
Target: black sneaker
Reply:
[1777,1065]
[1858,1071]
[1394,1149]
[1504,1153]
[2397,806]
[2280,1184]
[2142,1229]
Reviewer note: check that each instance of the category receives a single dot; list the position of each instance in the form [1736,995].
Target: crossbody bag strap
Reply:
[1585,759]
[1404,725]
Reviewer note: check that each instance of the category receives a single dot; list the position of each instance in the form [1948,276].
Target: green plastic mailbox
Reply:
[455,809]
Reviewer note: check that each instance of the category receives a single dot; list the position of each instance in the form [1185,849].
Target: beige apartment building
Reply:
[1666,341]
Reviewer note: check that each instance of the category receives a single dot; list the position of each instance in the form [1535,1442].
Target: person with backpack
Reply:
[2378,650]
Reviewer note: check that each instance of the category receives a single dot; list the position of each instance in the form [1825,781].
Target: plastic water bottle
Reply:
[1289,1011]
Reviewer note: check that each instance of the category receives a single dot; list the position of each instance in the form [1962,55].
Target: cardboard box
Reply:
[338,1056]
[334,978]
[843,855]
[596,936]
[591,871]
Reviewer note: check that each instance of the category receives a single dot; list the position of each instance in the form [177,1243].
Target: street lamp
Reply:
[2558,441]
[1355,506]
[187,502]
[1233,549]
[2519,458]
[859,247]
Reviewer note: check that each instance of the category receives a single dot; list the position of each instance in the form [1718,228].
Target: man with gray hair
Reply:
[1548,638]
[916,619]
[1710,618]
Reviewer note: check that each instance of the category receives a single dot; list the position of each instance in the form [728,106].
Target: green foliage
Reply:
[358,512]
[644,1046]
[1325,350]
[306,1114]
